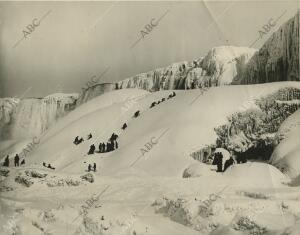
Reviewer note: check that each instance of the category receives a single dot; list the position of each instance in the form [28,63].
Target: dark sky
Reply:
[77,40]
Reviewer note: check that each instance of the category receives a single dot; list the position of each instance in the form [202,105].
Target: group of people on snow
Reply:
[223,163]
[80,140]
[162,100]
[90,167]
[16,161]
[48,166]
[111,145]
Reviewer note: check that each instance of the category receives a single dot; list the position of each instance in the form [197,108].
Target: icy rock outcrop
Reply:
[32,116]
[277,59]
[219,67]
[35,174]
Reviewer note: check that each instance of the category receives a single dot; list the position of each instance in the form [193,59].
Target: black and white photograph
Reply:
[150,117]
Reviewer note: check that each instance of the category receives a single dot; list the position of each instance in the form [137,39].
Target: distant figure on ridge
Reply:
[152,105]
[89,167]
[136,114]
[124,126]
[23,162]
[92,149]
[90,136]
[94,167]
[44,164]
[17,158]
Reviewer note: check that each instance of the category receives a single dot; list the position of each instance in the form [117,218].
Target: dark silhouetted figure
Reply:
[113,137]
[218,161]
[92,149]
[89,167]
[100,148]
[116,144]
[136,114]
[49,166]
[17,159]
[228,163]
[104,148]
[90,136]
[44,164]
[23,162]
[124,126]
[152,105]
[94,167]
[6,161]
[80,140]
[76,141]
[163,99]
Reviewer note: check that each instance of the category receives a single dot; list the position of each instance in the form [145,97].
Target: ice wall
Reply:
[30,117]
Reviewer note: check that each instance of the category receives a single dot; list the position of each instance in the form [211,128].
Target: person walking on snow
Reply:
[94,167]
[6,161]
[17,159]
[89,167]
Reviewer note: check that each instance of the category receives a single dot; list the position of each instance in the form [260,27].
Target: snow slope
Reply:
[135,194]
[185,121]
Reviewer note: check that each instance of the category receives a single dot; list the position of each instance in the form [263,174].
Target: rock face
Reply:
[218,67]
[94,91]
[278,59]
[30,117]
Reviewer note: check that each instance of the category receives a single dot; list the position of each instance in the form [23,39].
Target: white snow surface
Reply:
[145,194]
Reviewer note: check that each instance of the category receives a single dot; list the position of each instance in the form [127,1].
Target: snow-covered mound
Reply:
[26,118]
[255,171]
[174,127]
[286,155]
[278,58]
[197,169]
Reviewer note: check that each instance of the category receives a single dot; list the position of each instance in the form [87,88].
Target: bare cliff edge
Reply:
[277,59]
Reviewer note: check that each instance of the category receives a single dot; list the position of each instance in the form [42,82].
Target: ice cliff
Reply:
[218,67]
[29,117]
[278,58]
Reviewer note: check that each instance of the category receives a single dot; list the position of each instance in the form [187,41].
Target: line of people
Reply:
[48,166]
[162,100]
[16,161]
[218,160]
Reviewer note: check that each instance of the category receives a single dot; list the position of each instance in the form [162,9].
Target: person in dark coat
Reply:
[94,167]
[116,144]
[100,148]
[23,162]
[90,136]
[92,149]
[44,164]
[163,99]
[152,105]
[228,163]
[218,161]
[104,148]
[6,161]
[136,114]
[76,141]
[17,159]
[89,167]
[124,126]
